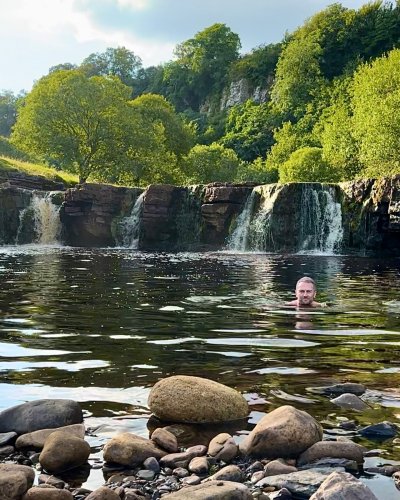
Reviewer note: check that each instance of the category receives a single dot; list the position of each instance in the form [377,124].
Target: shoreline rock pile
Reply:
[283,457]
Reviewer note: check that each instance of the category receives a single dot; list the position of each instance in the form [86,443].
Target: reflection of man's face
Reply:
[305,293]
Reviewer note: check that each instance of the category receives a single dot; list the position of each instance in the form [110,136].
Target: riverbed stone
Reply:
[165,440]
[130,449]
[35,440]
[189,399]
[276,467]
[151,463]
[198,465]
[51,480]
[103,493]
[7,450]
[350,401]
[15,480]
[302,483]
[228,473]
[346,387]
[342,485]
[40,414]
[47,492]
[283,433]
[223,447]
[62,452]
[7,438]
[332,449]
[382,430]
[213,490]
[174,460]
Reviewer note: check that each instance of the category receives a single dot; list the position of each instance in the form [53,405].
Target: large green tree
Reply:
[74,121]
[8,111]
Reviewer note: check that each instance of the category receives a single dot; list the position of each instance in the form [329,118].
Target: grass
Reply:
[13,165]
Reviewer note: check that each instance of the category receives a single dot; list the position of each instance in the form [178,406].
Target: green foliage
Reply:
[8,111]
[75,122]
[201,67]
[119,62]
[212,163]
[257,67]
[307,165]
[179,136]
[9,150]
[257,171]
[249,130]
[376,120]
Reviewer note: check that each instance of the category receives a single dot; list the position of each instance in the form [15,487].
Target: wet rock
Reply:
[7,438]
[302,483]
[35,440]
[62,452]
[151,463]
[15,480]
[348,425]
[396,479]
[146,475]
[51,480]
[350,401]
[348,465]
[5,451]
[332,449]
[337,389]
[228,473]
[383,430]
[213,490]
[191,480]
[40,414]
[199,465]
[165,440]
[385,470]
[284,432]
[180,472]
[47,492]
[282,494]
[276,467]
[182,459]
[340,485]
[130,449]
[223,447]
[196,400]
[103,493]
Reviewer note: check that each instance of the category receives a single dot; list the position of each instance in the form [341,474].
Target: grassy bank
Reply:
[13,165]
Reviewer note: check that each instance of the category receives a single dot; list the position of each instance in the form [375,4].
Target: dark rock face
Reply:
[12,201]
[40,414]
[30,182]
[89,211]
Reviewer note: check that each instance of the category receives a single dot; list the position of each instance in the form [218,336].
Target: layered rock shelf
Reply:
[286,455]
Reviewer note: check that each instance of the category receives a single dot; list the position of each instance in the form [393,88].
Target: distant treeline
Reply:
[329,113]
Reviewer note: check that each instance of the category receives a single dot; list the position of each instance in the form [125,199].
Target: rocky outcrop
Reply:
[90,213]
[9,178]
[13,201]
[241,90]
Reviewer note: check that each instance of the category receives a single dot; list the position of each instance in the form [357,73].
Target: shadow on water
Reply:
[102,326]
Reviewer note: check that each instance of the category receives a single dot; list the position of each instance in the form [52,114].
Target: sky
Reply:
[38,34]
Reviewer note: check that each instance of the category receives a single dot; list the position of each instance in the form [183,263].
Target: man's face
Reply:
[305,293]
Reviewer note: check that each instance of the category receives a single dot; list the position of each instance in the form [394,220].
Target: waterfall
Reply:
[303,217]
[239,237]
[321,222]
[40,221]
[129,227]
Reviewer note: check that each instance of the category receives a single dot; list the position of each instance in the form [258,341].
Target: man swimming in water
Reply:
[306,291]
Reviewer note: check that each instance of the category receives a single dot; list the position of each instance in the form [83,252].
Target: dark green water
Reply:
[102,326]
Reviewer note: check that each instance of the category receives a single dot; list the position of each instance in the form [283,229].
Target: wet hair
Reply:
[307,279]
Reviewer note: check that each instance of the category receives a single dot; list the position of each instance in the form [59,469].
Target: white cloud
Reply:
[134,4]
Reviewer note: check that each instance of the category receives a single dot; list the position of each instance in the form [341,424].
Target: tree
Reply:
[376,122]
[119,62]
[179,136]
[74,121]
[8,111]
[307,165]
[201,67]
[212,163]
[256,171]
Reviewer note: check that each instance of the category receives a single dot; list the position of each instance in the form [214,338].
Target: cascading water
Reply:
[292,217]
[321,222]
[40,221]
[129,227]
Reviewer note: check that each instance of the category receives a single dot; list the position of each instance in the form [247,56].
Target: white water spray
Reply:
[130,226]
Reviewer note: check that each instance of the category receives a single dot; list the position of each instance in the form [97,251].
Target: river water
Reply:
[102,326]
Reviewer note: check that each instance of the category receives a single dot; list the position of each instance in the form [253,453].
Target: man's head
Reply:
[305,291]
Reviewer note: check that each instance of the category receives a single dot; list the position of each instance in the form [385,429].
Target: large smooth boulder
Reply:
[332,449]
[47,492]
[183,398]
[15,480]
[129,449]
[223,447]
[283,433]
[341,485]
[213,490]
[103,493]
[35,440]
[62,452]
[40,414]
